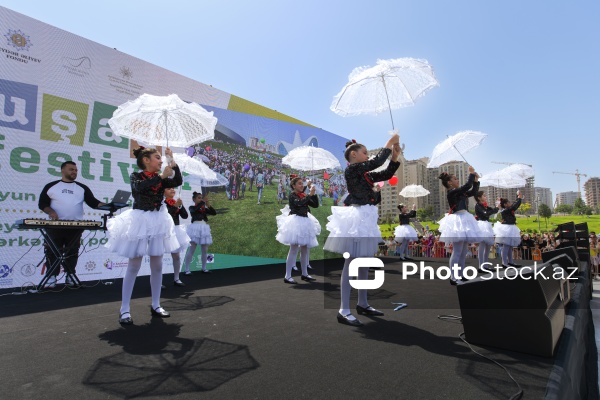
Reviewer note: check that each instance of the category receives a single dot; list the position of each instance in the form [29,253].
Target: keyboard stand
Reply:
[60,258]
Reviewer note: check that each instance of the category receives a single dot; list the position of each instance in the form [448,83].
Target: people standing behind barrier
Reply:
[353,230]
[199,230]
[405,233]
[459,227]
[594,255]
[508,235]
[526,246]
[147,229]
[63,199]
[177,210]
[297,230]
[483,212]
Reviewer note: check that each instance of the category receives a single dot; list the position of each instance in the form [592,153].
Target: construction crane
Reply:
[577,174]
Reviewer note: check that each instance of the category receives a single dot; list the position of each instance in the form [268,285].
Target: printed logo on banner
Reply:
[63,119]
[109,264]
[18,105]
[77,66]
[126,73]
[18,39]
[90,266]
[5,271]
[100,131]
[28,270]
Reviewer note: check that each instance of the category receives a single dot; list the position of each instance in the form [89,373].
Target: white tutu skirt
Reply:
[294,229]
[182,238]
[199,232]
[507,234]
[459,227]
[405,232]
[354,230]
[486,233]
[137,233]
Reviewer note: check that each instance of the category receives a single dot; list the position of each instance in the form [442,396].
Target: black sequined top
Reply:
[483,213]
[199,212]
[360,179]
[176,212]
[458,198]
[299,203]
[405,217]
[148,189]
[508,214]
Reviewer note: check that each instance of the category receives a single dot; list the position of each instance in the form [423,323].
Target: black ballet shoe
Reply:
[291,281]
[178,283]
[343,319]
[453,282]
[408,259]
[127,320]
[368,311]
[161,314]
[308,278]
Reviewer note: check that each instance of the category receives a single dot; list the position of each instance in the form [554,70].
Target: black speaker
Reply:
[566,263]
[570,251]
[514,311]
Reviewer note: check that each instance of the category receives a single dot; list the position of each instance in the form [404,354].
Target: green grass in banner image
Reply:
[243,227]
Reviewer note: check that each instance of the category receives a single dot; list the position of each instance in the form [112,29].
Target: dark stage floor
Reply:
[243,333]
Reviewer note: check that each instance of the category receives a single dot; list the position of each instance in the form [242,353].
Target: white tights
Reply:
[459,256]
[190,254]
[133,267]
[345,288]
[291,260]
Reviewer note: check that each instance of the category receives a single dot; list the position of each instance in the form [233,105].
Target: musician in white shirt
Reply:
[63,199]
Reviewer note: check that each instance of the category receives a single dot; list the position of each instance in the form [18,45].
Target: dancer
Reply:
[354,230]
[404,233]
[459,227]
[177,210]
[199,230]
[298,230]
[486,233]
[146,229]
[508,235]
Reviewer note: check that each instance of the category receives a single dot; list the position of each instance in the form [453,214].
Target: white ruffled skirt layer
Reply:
[137,233]
[486,233]
[459,227]
[507,234]
[182,238]
[199,232]
[294,229]
[405,232]
[354,230]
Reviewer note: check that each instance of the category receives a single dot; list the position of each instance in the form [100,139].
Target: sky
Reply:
[524,72]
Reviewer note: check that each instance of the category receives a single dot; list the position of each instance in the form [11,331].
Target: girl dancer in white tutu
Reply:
[508,235]
[298,230]
[177,210]
[147,229]
[459,227]
[199,230]
[404,233]
[354,229]
[486,233]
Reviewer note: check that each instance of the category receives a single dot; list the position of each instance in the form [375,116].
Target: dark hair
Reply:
[195,194]
[350,147]
[67,163]
[478,195]
[294,181]
[445,177]
[142,152]
[401,206]
[503,202]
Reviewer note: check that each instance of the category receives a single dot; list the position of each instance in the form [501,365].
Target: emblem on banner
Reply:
[90,266]
[5,271]
[28,270]
[126,73]
[18,39]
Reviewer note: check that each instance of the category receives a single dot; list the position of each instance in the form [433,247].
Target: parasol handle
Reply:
[463,157]
[388,101]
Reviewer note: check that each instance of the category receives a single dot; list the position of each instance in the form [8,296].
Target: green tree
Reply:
[580,208]
[525,207]
[545,212]
[564,208]
[425,214]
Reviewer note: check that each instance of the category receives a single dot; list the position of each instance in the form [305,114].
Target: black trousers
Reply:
[67,241]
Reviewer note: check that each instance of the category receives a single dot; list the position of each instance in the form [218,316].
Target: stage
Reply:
[244,333]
